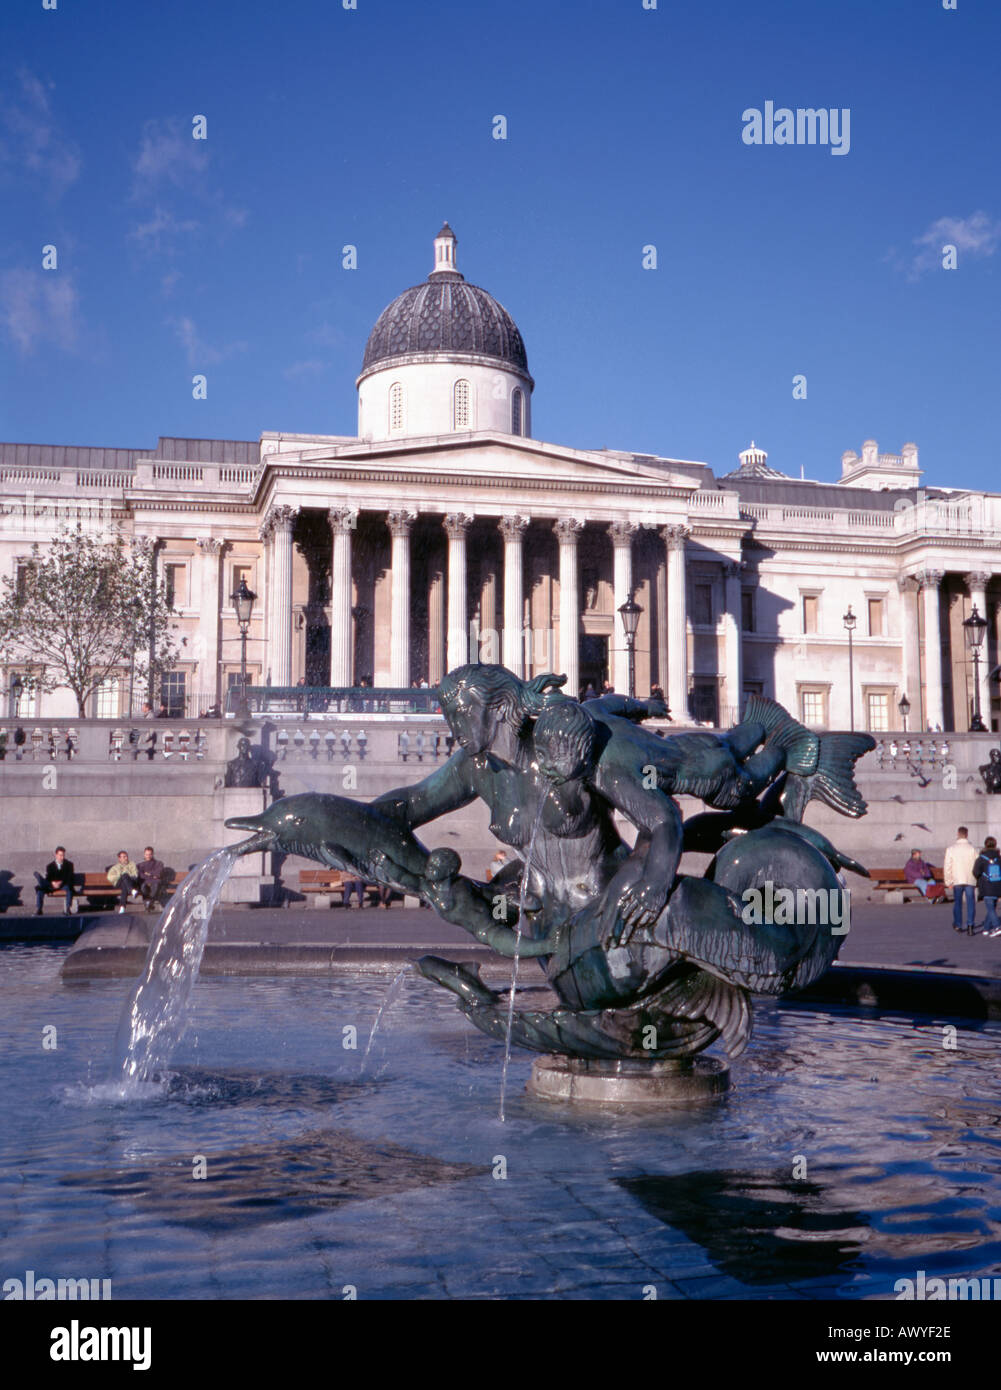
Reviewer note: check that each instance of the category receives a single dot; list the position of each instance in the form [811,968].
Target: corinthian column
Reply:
[278,526]
[457,642]
[436,624]
[977,584]
[677,623]
[513,531]
[208,622]
[567,529]
[934,712]
[733,664]
[908,585]
[622,533]
[343,521]
[400,523]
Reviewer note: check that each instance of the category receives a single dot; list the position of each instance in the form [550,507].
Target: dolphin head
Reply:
[293,825]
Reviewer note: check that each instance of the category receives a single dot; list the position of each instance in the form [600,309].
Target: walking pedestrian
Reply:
[958,874]
[987,872]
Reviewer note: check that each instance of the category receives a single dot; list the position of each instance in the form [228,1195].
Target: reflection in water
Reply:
[272,1182]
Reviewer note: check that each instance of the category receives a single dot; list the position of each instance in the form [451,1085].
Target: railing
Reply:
[309,700]
[90,477]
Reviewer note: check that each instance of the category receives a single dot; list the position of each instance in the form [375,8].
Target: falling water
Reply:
[517,947]
[392,994]
[153,1020]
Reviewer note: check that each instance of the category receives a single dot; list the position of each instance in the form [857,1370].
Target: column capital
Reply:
[622,532]
[456,524]
[674,537]
[400,522]
[279,518]
[513,528]
[908,583]
[209,545]
[733,569]
[343,519]
[978,579]
[930,579]
[567,529]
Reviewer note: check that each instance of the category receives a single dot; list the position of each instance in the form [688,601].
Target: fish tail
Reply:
[834,780]
[800,746]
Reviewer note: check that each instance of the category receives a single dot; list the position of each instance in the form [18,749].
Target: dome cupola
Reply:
[444,357]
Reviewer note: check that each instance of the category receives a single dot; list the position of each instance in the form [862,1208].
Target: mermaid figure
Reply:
[645,961]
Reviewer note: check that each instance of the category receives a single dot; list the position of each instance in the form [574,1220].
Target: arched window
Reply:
[396,406]
[517,412]
[460,406]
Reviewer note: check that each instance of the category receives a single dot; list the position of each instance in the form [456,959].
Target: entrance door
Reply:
[593,664]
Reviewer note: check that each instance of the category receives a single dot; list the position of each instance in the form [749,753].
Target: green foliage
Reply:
[84,613]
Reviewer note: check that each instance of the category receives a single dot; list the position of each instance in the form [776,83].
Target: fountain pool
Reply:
[852,1150]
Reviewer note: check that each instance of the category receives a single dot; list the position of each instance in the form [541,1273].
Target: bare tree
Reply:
[84,611]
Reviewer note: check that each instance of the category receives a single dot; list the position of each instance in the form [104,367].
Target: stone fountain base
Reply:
[592,1081]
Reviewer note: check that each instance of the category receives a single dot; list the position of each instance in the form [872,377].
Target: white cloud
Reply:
[171,176]
[30,140]
[39,307]
[311,367]
[973,237]
[199,352]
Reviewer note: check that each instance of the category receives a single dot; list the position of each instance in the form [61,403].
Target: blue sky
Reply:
[329,127]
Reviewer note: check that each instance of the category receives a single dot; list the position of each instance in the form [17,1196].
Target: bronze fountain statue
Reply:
[649,966]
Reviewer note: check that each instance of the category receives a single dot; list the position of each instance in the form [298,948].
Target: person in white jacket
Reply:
[958,874]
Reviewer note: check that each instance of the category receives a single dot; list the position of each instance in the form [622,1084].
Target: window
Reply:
[173,692]
[107,699]
[175,580]
[747,610]
[877,708]
[704,701]
[460,406]
[517,412]
[813,706]
[23,575]
[811,605]
[876,618]
[396,406]
[703,606]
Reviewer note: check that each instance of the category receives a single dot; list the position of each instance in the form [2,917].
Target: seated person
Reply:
[920,873]
[353,885]
[58,878]
[151,874]
[125,876]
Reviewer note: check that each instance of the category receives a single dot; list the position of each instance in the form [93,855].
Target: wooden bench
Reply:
[99,892]
[894,884]
[328,882]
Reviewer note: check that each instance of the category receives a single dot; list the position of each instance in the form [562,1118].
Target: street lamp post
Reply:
[904,706]
[849,621]
[243,602]
[975,628]
[16,691]
[630,612]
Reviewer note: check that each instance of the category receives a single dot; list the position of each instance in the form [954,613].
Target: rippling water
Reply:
[852,1150]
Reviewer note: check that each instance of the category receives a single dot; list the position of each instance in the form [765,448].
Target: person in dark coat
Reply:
[151,874]
[58,878]
[987,872]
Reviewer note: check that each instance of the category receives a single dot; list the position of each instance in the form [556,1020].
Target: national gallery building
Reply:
[443,532]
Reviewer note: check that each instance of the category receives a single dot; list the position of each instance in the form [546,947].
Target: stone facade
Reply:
[390,556]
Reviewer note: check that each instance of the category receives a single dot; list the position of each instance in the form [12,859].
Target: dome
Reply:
[445,315]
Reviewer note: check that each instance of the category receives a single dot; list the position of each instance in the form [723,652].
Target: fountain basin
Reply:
[592,1081]
[852,1149]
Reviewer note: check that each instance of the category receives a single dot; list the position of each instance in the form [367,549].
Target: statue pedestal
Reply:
[251,872]
[593,1081]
